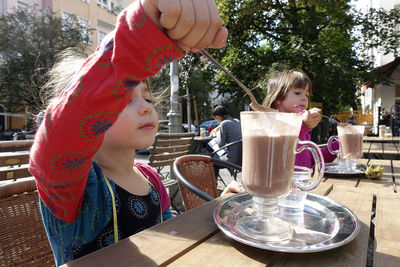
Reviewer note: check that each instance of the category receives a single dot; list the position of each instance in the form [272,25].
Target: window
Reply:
[68,18]
[100,36]
[23,6]
[103,28]
[68,23]
[397,26]
[102,3]
[85,30]
[86,1]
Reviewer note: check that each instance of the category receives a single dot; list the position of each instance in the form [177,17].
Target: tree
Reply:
[316,36]
[29,43]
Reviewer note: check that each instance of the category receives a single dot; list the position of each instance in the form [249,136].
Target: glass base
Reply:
[264,224]
[346,165]
[264,229]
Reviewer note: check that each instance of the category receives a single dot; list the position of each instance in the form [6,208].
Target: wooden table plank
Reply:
[387,229]
[360,202]
[323,189]
[219,250]
[393,139]
[386,180]
[159,244]
[381,150]
[350,182]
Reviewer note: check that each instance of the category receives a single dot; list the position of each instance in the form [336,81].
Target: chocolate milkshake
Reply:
[351,146]
[268,165]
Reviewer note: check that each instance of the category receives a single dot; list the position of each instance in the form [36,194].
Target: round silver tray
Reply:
[325,224]
[332,170]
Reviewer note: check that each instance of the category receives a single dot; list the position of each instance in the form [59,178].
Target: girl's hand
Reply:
[233,187]
[192,24]
[312,117]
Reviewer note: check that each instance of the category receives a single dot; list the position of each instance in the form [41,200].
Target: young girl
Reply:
[290,91]
[91,195]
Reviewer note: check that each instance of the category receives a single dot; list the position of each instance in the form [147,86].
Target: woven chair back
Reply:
[22,236]
[199,171]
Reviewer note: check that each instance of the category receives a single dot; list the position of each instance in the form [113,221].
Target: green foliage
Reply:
[199,84]
[315,36]
[29,43]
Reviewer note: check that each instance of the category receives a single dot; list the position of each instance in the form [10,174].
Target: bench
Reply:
[166,148]
[14,159]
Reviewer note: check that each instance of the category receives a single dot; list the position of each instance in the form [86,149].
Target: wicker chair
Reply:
[196,178]
[22,236]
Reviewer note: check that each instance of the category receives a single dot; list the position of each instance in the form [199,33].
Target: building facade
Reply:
[379,97]
[97,18]
[98,15]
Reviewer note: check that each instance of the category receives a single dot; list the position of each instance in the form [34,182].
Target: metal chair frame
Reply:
[235,172]
[187,182]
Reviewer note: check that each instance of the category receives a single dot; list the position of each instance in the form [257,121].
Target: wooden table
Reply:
[377,139]
[193,239]
[373,151]
[381,148]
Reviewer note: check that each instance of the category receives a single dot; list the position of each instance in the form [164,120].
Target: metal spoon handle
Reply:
[248,92]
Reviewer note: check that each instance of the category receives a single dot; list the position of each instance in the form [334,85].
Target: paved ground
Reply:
[223,172]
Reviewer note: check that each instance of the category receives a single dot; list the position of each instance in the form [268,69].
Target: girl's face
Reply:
[295,96]
[137,124]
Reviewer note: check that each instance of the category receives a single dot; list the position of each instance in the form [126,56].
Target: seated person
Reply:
[228,131]
[352,121]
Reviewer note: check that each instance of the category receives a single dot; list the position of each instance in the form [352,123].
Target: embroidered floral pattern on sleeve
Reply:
[105,59]
[93,126]
[162,55]
[125,87]
[72,164]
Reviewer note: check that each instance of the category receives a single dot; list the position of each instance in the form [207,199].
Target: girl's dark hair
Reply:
[220,111]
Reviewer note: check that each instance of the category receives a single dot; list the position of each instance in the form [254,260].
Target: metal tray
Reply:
[327,224]
[331,170]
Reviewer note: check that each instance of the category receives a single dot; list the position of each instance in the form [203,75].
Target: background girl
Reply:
[286,92]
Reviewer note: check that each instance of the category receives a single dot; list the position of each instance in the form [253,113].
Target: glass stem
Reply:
[266,207]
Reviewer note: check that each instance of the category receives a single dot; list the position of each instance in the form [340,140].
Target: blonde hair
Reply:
[280,84]
[68,63]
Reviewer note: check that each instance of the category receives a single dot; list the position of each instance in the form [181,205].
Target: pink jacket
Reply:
[305,158]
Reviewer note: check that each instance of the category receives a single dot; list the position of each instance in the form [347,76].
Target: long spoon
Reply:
[331,119]
[254,104]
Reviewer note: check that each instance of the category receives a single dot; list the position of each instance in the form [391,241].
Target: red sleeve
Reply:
[74,125]
[154,178]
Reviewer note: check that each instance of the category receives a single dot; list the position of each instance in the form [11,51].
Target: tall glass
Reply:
[269,147]
[350,146]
